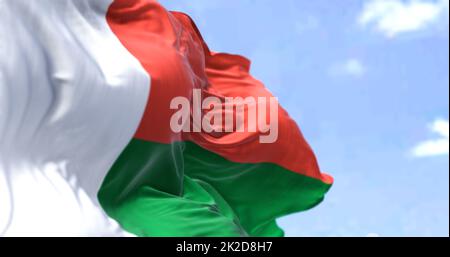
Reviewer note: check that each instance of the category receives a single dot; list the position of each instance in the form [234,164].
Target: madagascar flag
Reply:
[200,184]
[87,145]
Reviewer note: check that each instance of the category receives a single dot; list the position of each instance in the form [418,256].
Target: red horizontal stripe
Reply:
[172,51]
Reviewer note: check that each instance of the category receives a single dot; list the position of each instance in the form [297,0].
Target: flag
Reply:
[87,144]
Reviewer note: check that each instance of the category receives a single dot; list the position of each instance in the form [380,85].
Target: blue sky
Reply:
[368,83]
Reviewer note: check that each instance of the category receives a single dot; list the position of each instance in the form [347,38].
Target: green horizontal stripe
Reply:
[182,189]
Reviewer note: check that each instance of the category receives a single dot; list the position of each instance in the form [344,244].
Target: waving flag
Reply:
[86,143]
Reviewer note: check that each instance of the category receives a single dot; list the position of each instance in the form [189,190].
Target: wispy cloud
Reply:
[351,67]
[393,17]
[307,23]
[437,146]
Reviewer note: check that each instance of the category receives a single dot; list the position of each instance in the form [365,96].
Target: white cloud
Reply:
[438,146]
[393,17]
[307,23]
[372,235]
[351,67]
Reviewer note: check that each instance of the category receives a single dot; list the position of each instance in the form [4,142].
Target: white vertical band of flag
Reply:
[71,97]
